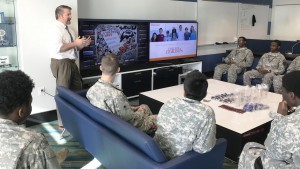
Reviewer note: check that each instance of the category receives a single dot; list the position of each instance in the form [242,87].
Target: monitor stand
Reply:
[165,63]
[189,60]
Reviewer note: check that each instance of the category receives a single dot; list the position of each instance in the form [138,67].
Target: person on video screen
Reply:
[180,33]
[174,35]
[193,34]
[154,37]
[160,36]
[168,36]
[187,34]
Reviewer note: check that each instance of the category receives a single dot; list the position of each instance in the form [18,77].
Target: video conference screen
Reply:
[172,41]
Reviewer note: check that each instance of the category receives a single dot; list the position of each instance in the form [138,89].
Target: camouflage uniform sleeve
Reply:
[277,146]
[206,138]
[292,66]
[248,61]
[125,112]
[260,62]
[281,66]
[38,154]
[275,116]
[229,56]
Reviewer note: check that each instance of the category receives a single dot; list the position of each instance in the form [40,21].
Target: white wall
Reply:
[34,17]
[137,9]
[285,23]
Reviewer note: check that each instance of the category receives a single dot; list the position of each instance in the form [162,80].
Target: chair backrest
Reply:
[105,145]
[287,64]
[211,160]
[123,129]
[254,64]
[82,93]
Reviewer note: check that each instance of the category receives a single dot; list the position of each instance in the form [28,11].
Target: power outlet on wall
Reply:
[41,91]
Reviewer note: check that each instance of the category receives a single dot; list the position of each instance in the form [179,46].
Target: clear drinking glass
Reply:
[238,97]
[259,91]
[254,94]
[265,90]
[247,94]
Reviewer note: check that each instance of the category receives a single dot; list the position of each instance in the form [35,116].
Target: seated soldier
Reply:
[104,95]
[269,65]
[236,62]
[185,124]
[281,147]
[277,81]
[21,147]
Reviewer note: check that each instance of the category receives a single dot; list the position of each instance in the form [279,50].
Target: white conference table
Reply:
[237,128]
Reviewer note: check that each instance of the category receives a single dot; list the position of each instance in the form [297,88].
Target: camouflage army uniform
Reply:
[184,125]
[269,61]
[23,148]
[243,58]
[108,97]
[282,146]
[277,81]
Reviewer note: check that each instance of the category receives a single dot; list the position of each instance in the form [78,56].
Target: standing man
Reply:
[269,65]
[277,80]
[236,62]
[63,51]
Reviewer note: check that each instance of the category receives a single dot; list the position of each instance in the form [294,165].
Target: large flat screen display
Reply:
[170,41]
[128,40]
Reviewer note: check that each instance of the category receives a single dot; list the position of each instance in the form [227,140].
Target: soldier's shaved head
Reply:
[110,64]
[195,85]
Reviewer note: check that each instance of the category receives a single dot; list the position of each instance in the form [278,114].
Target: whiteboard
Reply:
[225,21]
[285,22]
[260,29]
[217,22]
